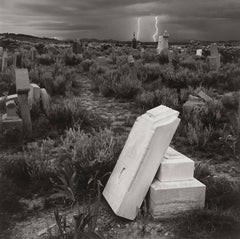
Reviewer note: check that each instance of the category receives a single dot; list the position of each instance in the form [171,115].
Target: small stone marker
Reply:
[4,60]
[22,88]
[1,51]
[45,100]
[131,60]
[34,94]
[204,96]
[140,160]
[199,52]
[215,58]
[33,52]
[11,110]
[18,60]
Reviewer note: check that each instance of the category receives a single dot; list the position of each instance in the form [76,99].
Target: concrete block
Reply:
[167,199]
[140,160]
[175,167]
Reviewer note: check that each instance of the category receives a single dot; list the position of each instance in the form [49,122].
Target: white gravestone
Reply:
[168,199]
[199,52]
[45,100]
[140,160]
[175,167]
[34,94]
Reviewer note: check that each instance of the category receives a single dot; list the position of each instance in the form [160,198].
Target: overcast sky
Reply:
[117,19]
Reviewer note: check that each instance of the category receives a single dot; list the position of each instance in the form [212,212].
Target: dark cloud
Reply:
[186,19]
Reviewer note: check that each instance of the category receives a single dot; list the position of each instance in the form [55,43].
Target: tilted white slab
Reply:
[171,198]
[140,160]
[175,167]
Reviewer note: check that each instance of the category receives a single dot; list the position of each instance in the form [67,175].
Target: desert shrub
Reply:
[163,59]
[45,59]
[94,154]
[151,99]
[39,158]
[151,72]
[231,101]
[70,112]
[9,200]
[150,56]
[197,134]
[121,60]
[221,193]
[86,64]
[72,60]
[15,168]
[7,82]
[127,87]
[208,224]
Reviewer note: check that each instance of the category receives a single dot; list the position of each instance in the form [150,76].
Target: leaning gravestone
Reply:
[23,88]
[140,160]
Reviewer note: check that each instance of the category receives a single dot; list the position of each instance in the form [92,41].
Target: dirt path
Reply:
[120,113]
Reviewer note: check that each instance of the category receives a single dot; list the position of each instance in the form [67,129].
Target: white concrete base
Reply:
[168,199]
[175,167]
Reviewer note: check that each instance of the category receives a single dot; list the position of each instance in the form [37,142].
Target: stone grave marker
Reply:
[140,160]
[23,88]
[1,51]
[34,94]
[199,52]
[45,100]
[4,61]
[214,58]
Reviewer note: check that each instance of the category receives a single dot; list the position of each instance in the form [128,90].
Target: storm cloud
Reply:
[117,19]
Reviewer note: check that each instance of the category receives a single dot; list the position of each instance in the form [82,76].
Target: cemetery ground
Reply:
[95,98]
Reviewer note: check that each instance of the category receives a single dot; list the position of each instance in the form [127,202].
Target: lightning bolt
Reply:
[156,29]
[138,27]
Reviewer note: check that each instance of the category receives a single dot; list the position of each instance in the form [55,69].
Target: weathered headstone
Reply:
[77,47]
[140,160]
[18,60]
[33,52]
[1,51]
[214,58]
[34,95]
[4,61]
[134,42]
[23,88]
